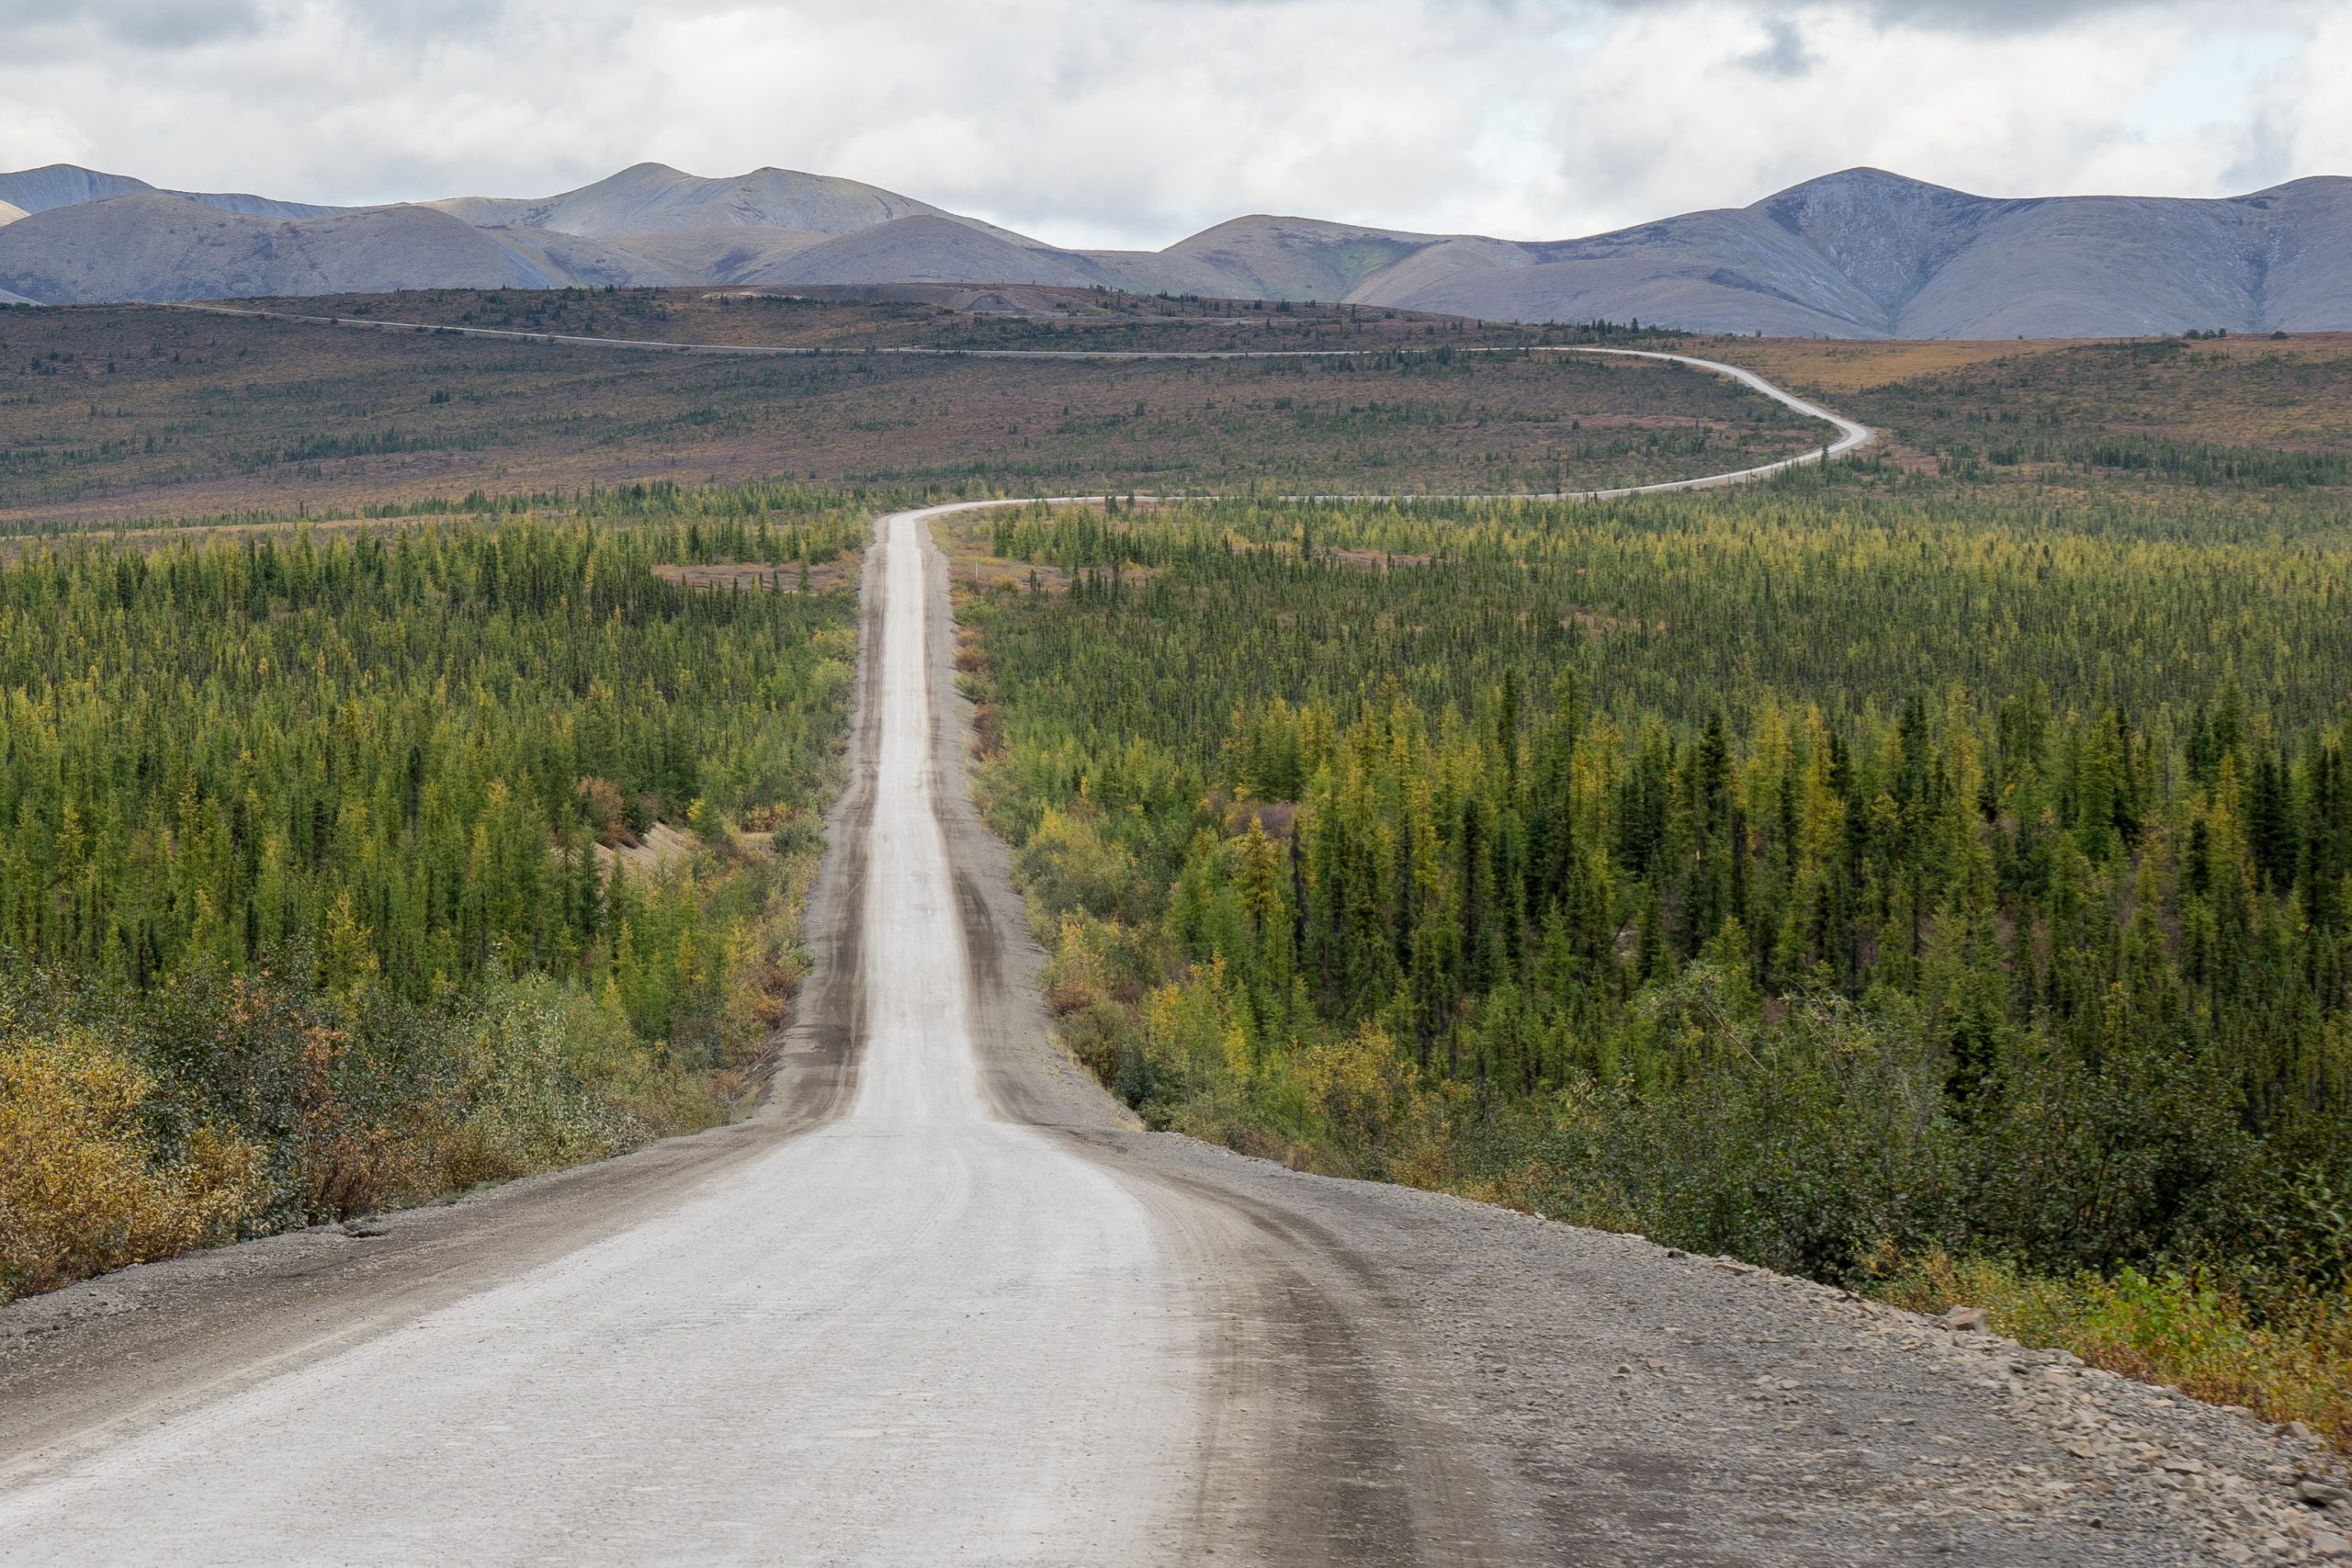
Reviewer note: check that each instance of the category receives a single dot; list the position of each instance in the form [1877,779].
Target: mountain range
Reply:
[1859,253]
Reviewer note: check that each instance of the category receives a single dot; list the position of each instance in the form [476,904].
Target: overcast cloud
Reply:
[1133,122]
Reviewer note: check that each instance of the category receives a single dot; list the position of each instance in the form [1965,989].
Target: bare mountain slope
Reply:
[69,184]
[2304,275]
[1869,254]
[2097,266]
[1860,254]
[1884,234]
[578,261]
[924,249]
[1299,257]
[1163,272]
[64,184]
[654,199]
[166,247]
[9,213]
[728,254]
[1735,270]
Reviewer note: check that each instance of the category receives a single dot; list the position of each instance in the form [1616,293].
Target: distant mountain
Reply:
[153,246]
[1872,254]
[927,250]
[63,185]
[1861,253]
[66,185]
[654,199]
[1304,258]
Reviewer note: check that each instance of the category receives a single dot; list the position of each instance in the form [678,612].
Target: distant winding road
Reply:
[1851,435]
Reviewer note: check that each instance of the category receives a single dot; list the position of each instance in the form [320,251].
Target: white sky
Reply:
[1133,122]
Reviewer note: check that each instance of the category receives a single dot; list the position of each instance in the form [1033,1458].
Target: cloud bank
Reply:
[1132,122]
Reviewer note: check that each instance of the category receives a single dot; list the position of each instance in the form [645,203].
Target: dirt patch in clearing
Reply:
[661,848]
[972,568]
[1383,561]
[785,578]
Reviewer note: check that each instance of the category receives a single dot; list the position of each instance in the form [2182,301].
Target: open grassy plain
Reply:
[2221,411]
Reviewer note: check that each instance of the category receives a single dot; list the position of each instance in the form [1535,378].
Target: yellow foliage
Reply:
[1364,1089]
[82,1188]
[1075,971]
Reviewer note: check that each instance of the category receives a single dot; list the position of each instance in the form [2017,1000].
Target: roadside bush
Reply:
[1801,1144]
[132,1129]
[1071,865]
[84,1187]
[1364,1091]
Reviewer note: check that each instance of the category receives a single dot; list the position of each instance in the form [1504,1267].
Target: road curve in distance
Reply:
[1851,435]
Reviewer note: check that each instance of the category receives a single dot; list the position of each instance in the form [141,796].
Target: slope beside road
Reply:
[942,1302]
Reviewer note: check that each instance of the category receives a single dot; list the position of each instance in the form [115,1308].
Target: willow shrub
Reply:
[84,1187]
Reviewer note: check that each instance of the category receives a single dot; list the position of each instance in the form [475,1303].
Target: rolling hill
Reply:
[1859,253]
[67,185]
[654,199]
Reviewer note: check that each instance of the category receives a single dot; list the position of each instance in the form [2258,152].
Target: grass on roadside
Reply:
[2290,1360]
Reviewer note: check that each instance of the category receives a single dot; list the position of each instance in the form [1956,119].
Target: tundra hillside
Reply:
[137,412]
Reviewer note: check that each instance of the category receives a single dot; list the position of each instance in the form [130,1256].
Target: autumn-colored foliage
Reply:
[83,1184]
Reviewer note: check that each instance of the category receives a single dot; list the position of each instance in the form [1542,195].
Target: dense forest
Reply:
[1859,885]
[342,869]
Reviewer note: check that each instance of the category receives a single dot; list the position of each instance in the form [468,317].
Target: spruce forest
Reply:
[1936,891]
[347,869]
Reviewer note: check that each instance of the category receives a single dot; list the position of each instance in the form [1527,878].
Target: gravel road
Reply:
[942,1301]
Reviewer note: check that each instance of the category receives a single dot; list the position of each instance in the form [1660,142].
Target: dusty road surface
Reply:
[943,1303]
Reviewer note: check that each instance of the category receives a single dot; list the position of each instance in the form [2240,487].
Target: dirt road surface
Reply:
[942,1302]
